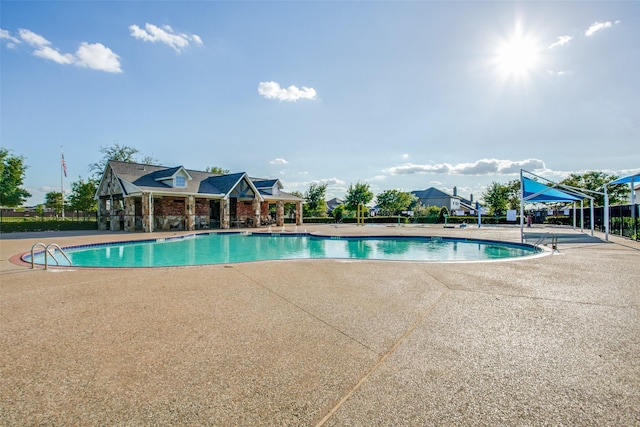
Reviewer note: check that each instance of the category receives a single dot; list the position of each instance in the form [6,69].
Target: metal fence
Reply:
[622,220]
[10,215]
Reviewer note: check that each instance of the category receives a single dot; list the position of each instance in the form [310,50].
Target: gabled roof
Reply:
[266,183]
[149,177]
[137,178]
[221,183]
[430,193]
[171,172]
[335,202]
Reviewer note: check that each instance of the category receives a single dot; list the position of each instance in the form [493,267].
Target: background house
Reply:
[453,202]
[333,203]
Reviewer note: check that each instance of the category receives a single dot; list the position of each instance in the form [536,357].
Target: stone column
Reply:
[298,213]
[224,214]
[190,211]
[279,213]
[113,216]
[102,214]
[129,214]
[256,212]
[147,212]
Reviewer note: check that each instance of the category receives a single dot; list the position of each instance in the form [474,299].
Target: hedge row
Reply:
[409,220]
[559,220]
[53,225]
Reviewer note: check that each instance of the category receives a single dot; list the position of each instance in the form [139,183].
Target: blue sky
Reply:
[400,95]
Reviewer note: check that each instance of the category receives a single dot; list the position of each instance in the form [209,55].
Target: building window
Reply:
[181,181]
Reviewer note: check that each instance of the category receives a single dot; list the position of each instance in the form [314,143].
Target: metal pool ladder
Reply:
[49,249]
[554,241]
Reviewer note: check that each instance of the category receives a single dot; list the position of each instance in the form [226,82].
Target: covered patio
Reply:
[134,197]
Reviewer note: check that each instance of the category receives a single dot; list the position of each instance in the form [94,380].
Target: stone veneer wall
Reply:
[169,213]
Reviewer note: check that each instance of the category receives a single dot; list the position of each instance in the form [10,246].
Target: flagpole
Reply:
[62,179]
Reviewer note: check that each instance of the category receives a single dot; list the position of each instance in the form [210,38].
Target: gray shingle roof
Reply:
[264,183]
[430,193]
[148,178]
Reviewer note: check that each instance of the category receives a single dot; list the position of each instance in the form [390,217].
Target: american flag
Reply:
[64,166]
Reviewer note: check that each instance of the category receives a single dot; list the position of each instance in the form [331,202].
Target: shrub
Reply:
[52,225]
[558,220]
[443,212]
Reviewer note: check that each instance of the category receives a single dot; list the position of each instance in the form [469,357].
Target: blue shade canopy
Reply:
[537,192]
[626,179]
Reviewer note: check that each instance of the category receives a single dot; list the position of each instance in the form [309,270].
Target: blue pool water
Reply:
[223,248]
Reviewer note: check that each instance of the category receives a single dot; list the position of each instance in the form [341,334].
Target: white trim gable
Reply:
[178,179]
[129,188]
[245,178]
[275,191]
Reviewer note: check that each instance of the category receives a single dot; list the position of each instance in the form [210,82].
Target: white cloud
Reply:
[9,39]
[379,178]
[52,54]
[166,35]
[559,73]
[405,156]
[597,26]
[32,38]
[328,181]
[480,167]
[562,40]
[272,90]
[278,162]
[95,56]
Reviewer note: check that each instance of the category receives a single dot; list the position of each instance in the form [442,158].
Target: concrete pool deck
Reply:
[552,340]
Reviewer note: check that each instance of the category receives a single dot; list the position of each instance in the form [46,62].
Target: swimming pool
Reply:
[224,248]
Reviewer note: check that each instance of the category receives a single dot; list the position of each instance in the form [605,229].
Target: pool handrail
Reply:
[49,250]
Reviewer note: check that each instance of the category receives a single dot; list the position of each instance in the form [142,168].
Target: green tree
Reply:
[392,202]
[314,197]
[513,191]
[53,200]
[12,172]
[357,195]
[82,197]
[120,153]
[430,212]
[496,197]
[595,181]
[149,160]
[338,213]
[442,214]
[217,170]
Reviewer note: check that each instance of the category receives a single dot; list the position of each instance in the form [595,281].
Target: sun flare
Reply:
[517,56]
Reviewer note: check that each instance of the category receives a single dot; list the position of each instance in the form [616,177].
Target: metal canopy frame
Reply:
[631,179]
[557,193]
